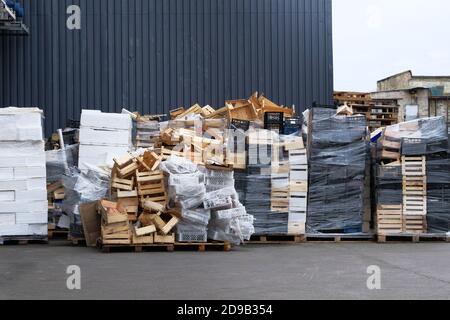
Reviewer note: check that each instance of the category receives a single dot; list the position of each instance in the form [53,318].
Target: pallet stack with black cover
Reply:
[274,185]
[338,149]
[419,204]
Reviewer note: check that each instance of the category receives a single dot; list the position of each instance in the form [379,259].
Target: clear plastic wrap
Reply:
[438,195]
[229,218]
[338,157]
[81,188]
[178,165]
[59,161]
[419,137]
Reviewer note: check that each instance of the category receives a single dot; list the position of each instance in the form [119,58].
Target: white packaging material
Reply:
[103,137]
[23,161]
[21,124]
[100,155]
[23,206]
[15,230]
[99,137]
[21,149]
[23,194]
[98,119]
[31,218]
[7,196]
[22,173]
[24,185]
[7,219]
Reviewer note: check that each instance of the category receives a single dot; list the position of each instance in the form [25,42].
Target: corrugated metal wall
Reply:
[151,55]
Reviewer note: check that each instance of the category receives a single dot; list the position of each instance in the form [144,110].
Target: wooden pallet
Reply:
[340,237]
[58,234]
[22,240]
[277,239]
[77,242]
[200,247]
[389,219]
[414,189]
[414,224]
[415,238]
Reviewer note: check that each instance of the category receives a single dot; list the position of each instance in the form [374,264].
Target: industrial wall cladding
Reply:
[150,55]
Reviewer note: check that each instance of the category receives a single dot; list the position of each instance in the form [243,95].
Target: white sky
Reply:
[374,39]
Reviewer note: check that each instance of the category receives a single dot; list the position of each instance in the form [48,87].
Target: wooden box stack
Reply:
[115,229]
[298,185]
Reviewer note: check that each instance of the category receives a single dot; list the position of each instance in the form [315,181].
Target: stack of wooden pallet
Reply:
[414,194]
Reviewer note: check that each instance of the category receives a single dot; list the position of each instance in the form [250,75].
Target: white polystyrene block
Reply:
[31,195]
[21,206]
[105,137]
[25,161]
[7,219]
[15,230]
[29,172]
[24,185]
[38,229]
[97,119]
[7,196]
[31,217]
[6,174]
[22,149]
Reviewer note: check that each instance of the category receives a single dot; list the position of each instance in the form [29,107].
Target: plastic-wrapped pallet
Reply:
[438,195]
[23,194]
[229,218]
[187,190]
[80,188]
[274,185]
[337,167]
[103,137]
[415,189]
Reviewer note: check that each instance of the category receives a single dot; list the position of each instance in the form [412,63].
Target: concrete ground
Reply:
[306,271]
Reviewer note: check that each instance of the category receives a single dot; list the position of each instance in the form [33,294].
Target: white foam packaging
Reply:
[21,124]
[23,194]
[100,120]
[103,137]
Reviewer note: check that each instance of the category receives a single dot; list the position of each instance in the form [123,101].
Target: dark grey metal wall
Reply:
[151,55]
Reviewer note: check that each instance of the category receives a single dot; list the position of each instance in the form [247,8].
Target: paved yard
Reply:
[306,271]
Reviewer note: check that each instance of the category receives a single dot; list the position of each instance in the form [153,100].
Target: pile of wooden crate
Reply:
[139,189]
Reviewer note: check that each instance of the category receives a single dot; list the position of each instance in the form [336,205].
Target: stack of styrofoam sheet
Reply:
[103,137]
[23,194]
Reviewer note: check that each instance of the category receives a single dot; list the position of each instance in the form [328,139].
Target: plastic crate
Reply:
[192,236]
[292,125]
[240,124]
